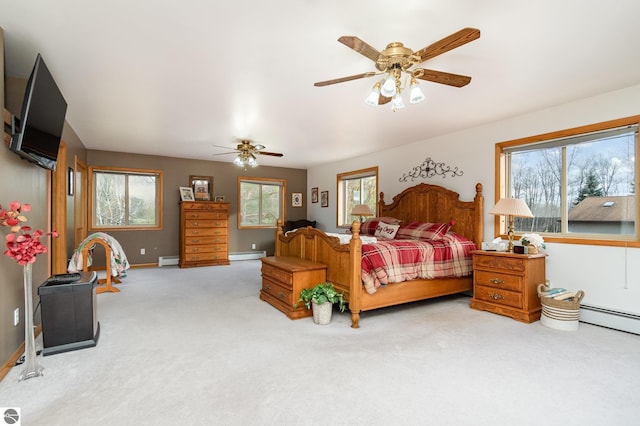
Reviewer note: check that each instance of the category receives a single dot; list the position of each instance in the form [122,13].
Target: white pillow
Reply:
[385,230]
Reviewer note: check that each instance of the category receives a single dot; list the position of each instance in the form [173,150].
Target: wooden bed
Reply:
[423,202]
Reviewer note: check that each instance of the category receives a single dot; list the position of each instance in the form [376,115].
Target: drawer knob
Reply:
[496,281]
[496,296]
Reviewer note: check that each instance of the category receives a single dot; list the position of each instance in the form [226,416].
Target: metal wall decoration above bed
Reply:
[429,169]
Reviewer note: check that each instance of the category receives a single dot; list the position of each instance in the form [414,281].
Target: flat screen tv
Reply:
[36,135]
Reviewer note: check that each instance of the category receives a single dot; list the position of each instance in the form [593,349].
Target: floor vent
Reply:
[623,321]
[247,255]
[168,260]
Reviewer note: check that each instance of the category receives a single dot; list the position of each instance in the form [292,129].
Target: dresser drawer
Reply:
[511,264]
[197,257]
[498,280]
[199,240]
[205,223]
[278,291]
[203,232]
[276,274]
[498,296]
[213,248]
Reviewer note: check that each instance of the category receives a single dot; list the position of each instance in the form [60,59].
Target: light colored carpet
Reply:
[198,347]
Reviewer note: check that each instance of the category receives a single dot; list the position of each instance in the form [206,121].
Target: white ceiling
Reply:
[174,78]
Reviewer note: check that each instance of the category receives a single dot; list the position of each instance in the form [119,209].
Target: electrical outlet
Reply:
[142,251]
[253,246]
[16,317]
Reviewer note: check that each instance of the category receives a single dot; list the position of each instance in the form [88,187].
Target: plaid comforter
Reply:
[395,261]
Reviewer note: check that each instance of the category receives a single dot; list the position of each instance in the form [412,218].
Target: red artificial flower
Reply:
[21,245]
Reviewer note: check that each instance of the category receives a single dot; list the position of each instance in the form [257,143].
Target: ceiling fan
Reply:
[396,59]
[247,152]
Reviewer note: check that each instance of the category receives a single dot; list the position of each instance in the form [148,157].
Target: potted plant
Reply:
[533,241]
[320,299]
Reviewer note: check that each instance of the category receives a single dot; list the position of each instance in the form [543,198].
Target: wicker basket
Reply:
[560,314]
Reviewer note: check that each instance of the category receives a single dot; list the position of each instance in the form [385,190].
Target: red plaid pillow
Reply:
[422,231]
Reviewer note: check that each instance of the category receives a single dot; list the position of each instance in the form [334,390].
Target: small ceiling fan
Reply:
[247,152]
[396,59]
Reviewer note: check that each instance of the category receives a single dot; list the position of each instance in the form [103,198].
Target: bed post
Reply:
[478,220]
[355,282]
[279,234]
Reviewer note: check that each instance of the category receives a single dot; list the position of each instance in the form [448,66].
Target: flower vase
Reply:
[31,366]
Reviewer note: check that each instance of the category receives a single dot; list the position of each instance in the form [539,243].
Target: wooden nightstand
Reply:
[506,283]
[284,277]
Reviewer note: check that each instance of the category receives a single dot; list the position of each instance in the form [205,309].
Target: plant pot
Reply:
[322,312]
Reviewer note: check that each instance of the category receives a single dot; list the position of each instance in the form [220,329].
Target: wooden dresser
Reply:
[204,233]
[284,277]
[506,283]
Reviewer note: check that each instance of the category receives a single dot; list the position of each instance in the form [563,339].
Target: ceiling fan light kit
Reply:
[247,152]
[397,59]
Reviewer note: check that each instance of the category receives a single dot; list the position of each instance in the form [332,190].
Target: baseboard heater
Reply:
[247,255]
[168,260]
[623,321]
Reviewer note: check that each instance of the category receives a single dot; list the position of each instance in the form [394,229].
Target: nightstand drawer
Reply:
[498,296]
[510,264]
[498,280]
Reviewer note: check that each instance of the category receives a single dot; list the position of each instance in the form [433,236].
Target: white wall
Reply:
[609,276]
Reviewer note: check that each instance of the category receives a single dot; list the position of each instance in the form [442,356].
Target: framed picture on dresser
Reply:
[186,193]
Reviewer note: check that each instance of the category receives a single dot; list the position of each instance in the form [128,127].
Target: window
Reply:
[125,198]
[357,187]
[579,183]
[261,202]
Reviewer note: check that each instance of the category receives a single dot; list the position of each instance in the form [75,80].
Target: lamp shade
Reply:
[511,207]
[361,210]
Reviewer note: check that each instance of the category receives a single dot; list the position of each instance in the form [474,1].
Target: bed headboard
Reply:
[433,203]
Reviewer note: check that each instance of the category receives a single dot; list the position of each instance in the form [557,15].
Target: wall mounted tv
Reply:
[36,135]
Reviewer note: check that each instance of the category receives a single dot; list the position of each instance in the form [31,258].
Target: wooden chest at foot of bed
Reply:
[284,277]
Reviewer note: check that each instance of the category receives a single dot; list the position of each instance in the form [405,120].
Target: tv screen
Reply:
[39,129]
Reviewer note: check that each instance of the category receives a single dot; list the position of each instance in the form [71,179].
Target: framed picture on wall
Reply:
[186,193]
[314,195]
[296,199]
[202,187]
[324,199]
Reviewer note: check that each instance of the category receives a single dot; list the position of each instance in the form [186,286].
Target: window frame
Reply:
[502,184]
[355,174]
[126,171]
[283,196]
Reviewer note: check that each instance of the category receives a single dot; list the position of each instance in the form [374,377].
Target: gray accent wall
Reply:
[176,172]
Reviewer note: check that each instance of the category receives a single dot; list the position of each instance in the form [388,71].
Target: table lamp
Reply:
[361,210]
[511,207]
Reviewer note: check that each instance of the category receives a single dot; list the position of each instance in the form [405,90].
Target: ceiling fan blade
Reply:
[442,77]
[360,46]
[273,154]
[220,146]
[226,153]
[343,79]
[463,36]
